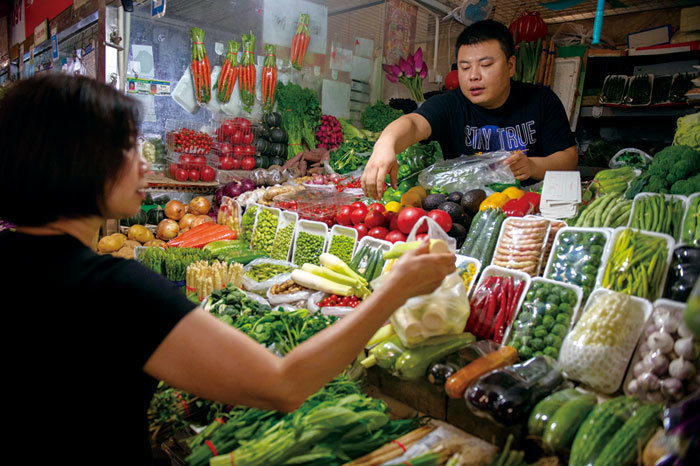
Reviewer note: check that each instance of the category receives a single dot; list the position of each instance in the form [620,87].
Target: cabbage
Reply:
[688,131]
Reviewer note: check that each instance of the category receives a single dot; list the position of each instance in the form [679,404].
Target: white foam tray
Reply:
[313,228]
[342,231]
[667,197]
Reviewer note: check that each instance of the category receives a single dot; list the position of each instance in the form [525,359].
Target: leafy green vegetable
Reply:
[351,155]
[301,115]
[376,117]
[688,131]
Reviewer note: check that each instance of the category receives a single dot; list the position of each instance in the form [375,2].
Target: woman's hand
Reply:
[521,166]
[419,272]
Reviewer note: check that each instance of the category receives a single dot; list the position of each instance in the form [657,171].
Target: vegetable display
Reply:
[301,114]
[283,242]
[483,234]
[521,244]
[637,430]
[200,68]
[329,134]
[333,276]
[265,271]
[229,73]
[350,155]
[614,88]
[203,277]
[342,246]
[608,210]
[527,61]
[368,261]
[690,233]
[636,264]
[674,170]
[300,41]
[247,74]
[493,306]
[458,383]
[639,90]
[683,273]
[269,78]
[248,222]
[265,230]
[544,410]
[561,429]
[598,349]
[658,213]
[378,115]
[308,248]
[200,235]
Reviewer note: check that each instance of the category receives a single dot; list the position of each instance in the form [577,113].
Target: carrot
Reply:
[458,382]
[193,70]
[222,81]
[304,48]
[292,54]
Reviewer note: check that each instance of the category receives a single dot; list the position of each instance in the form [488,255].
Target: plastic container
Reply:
[618,97]
[286,218]
[229,214]
[188,137]
[635,100]
[648,374]
[668,197]
[670,244]
[521,244]
[561,268]
[190,167]
[686,240]
[235,131]
[539,319]
[261,243]
[554,226]
[309,227]
[340,230]
[602,366]
[375,244]
[461,262]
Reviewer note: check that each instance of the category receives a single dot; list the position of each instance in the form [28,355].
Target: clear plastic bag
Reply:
[251,284]
[618,160]
[435,231]
[313,307]
[298,298]
[468,172]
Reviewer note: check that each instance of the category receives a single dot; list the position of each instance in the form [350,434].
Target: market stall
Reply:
[569,332]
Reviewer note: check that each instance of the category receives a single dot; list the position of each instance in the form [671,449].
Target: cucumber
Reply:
[371,264]
[355,262]
[561,429]
[487,252]
[474,232]
[599,427]
[622,449]
[546,408]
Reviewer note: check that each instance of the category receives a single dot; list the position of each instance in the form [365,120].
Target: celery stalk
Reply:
[315,282]
[337,265]
[329,274]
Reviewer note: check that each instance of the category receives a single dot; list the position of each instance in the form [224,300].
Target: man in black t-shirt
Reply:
[488,112]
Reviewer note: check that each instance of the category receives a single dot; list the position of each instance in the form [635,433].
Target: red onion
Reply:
[233,189]
[248,185]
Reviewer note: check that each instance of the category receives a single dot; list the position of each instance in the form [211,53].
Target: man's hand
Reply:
[521,166]
[381,162]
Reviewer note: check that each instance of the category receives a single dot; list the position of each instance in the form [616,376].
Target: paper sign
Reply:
[41,32]
[147,86]
[157,8]
[54,44]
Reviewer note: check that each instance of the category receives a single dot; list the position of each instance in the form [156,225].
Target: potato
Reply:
[111,243]
[125,252]
[140,233]
[156,243]
[131,243]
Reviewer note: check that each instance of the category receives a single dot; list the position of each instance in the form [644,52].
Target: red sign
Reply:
[27,14]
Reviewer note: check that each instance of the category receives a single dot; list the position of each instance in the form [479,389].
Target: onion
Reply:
[186,221]
[685,348]
[666,322]
[334,178]
[660,341]
[199,219]
[200,205]
[672,387]
[657,362]
[218,196]
[640,368]
[167,229]
[233,189]
[175,210]
[247,185]
[681,369]
[648,382]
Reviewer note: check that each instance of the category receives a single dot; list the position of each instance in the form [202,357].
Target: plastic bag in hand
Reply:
[468,172]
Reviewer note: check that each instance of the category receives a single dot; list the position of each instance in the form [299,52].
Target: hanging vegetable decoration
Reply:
[269,78]
[300,41]
[229,73]
[528,27]
[246,84]
[201,72]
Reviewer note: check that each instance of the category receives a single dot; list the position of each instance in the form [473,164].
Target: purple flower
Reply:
[407,68]
[388,69]
[392,78]
[418,60]
[423,71]
[396,71]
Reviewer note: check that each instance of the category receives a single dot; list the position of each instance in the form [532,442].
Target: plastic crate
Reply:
[187,137]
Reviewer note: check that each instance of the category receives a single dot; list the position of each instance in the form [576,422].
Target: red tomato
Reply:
[236,164]
[378,232]
[357,205]
[227,128]
[361,230]
[395,235]
[226,163]
[172,170]
[185,158]
[343,217]
[374,218]
[236,136]
[225,148]
[193,174]
[207,173]
[248,163]
[181,174]
[238,152]
[358,215]
[442,218]
[376,206]
[421,236]
[248,150]
[247,137]
[408,217]
[389,219]
[199,161]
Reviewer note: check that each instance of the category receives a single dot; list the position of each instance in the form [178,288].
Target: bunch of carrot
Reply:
[229,73]
[300,41]
[247,73]
[269,78]
[201,71]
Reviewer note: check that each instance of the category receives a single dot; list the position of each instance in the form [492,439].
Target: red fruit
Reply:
[172,170]
[343,217]
[238,152]
[394,236]
[408,217]
[378,232]
[236,164]
[421,236]
[442,218]
[247,137]
[358,215]
[225,149]
[236,136]
[388,218]
[185,158]
[374,218]
[193,174]
[207,173]
[248,150]
[357,204]
[226,163]
[376,206]
[199,161]
[361,230]
[248,163]
[394,222]
[181,174]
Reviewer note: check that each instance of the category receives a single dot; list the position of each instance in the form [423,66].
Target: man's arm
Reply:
[396,137]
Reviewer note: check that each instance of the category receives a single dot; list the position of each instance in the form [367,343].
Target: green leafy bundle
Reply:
[301,115]
[376,117]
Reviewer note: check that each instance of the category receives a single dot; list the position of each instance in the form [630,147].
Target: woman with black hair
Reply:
[96,333]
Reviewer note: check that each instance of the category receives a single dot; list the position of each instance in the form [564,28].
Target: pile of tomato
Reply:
[234,144]
[339,301]
[191,168]
[190,141]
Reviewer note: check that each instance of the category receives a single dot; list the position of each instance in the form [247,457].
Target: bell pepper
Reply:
[513,192]
[518,208]
[534,199]
[494,201]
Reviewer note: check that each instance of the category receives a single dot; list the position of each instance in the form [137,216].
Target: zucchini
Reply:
[371,264]
[622,449]
[355,262]
[546,408]
[561,429]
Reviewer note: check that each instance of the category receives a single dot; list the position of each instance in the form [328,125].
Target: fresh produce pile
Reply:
[483,234]
[339,301]
[368,261]
[235,144]
[614,89]
[329,134]
[203,277]
[247,73]
[688,131]
[630,159]
[608,210]
[308,248]
[658,213]
[333,276]
[527,56]
[350,155]
[377,116]
[639,90]
[172,263]
[283,242]
[248,222]
[265,230]
[233,251]
[690,233]
[189,141]
[229,73]
[683,273]
[193,168]
[613,180]
[493,306]
[265,271]
[301,115]
[342,246]
[674,170]
[269,78]
[200,68]
[578,256]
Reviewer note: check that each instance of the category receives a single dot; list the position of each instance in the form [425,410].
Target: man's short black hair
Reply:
[64,144]
[487,29]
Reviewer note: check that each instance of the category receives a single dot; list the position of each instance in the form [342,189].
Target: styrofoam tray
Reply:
[274,210]
[508,220]
[576,313]
[286,217]
[685,216]
[667,197]
[313,228]
[607,232]
[670,243]
[342,231]
[624,91]
[255,221]
[629,84]
[460,259]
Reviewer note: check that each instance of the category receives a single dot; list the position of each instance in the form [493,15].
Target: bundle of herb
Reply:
[301,115]
[376,117]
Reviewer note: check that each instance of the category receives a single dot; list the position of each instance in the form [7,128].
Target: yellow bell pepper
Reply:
[494,201]
[513,192]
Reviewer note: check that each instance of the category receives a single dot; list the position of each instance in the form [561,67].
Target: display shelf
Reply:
[621,111]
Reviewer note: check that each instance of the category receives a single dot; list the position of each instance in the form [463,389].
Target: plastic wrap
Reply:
[251,284]
[297,299]
[618,160]
[315,299]
[483,234]
[554,227]
[265,229]
[248,222]
[546,316]
[665,339]
[660,213]
[282,245]
[578,257]
[229,214]
[690,233]
[309,242]
[521,244]
[683,273]
[468,172]
[598,349]
[507,395]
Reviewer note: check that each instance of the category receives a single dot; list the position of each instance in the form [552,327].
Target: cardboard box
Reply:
[690,19]
[654,36]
